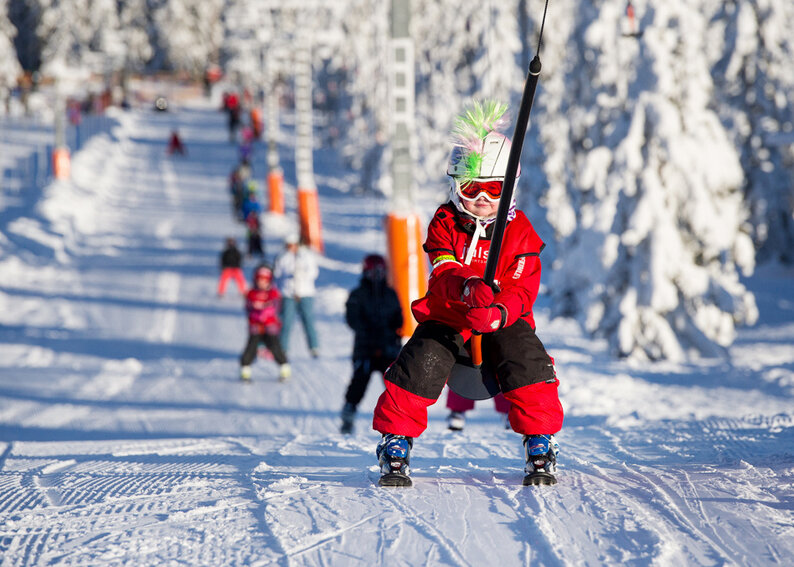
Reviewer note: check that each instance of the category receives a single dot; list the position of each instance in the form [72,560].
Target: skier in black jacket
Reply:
[231,268]
[374,313]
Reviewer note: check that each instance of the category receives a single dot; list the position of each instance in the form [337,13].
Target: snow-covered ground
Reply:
[126,438]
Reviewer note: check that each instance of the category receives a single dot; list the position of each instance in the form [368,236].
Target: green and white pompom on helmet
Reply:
[480,153]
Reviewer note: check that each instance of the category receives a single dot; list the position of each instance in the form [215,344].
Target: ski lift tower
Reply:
[407,268]
[308,202]
[275,175]
[61,159]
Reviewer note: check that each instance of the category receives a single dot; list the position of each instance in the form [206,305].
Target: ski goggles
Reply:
[492,189]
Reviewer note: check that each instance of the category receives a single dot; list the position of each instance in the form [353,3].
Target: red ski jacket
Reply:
[449,236]
[262,306]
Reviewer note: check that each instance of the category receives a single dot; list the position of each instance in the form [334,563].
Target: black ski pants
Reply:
[362,372]
[515,353]
[271,342]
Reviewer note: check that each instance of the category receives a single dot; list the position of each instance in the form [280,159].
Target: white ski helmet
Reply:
[480,151]
[487,162]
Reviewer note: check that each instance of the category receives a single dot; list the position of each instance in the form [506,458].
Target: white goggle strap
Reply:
[479,231]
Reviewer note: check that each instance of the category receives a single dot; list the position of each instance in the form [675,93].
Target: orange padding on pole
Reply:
[309,213]
[275,191]
[476,350]
[61,163]
[407,264]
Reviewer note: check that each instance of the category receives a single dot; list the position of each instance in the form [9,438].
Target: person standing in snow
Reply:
[256,245]
[262,305]
[238,183]
[251,204]
[296,270]
[459,303]
[251,211]
[374,313]
[231,268]
[232,106]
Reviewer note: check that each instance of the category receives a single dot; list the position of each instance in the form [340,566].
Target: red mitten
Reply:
[486,319]
[476,293]
[512,304]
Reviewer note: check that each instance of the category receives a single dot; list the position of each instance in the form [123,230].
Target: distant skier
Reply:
[251,211]
[262,304]
[256,245]
[246,146]
[250,204]
[459,303]
[232,106]
[231,268]
[238,183]
[373,312]
[175,144]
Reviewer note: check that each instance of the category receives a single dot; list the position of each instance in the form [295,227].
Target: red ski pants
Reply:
[235,274]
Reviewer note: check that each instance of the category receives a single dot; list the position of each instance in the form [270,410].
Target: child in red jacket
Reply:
[262,305]
[459,303]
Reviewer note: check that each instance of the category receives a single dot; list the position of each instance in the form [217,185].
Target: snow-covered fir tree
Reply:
[134,31]
[652,225]
[78,38]
[248,42]
[10,69]
[751,51]
[188,33]
[354,78]
[477,57]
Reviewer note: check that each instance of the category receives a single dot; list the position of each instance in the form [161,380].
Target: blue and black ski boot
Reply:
[541,456]
[394,454]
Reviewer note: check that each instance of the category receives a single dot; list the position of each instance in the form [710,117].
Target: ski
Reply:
[539,478]
[395,479]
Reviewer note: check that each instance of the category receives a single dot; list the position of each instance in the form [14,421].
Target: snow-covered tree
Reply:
[10,68]
[134,30]
[188,33]
[478,58]
[248,40]
[78,37]
[354,78]
[751,50]
[475,57]
[652,220]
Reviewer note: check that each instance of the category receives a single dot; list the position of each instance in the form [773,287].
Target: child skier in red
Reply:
[459,303]
[175,144]
[262,305]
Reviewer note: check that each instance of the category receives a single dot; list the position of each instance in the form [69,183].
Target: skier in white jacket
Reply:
[295,271]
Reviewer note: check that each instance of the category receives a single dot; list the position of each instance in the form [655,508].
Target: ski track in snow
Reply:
[125,438]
